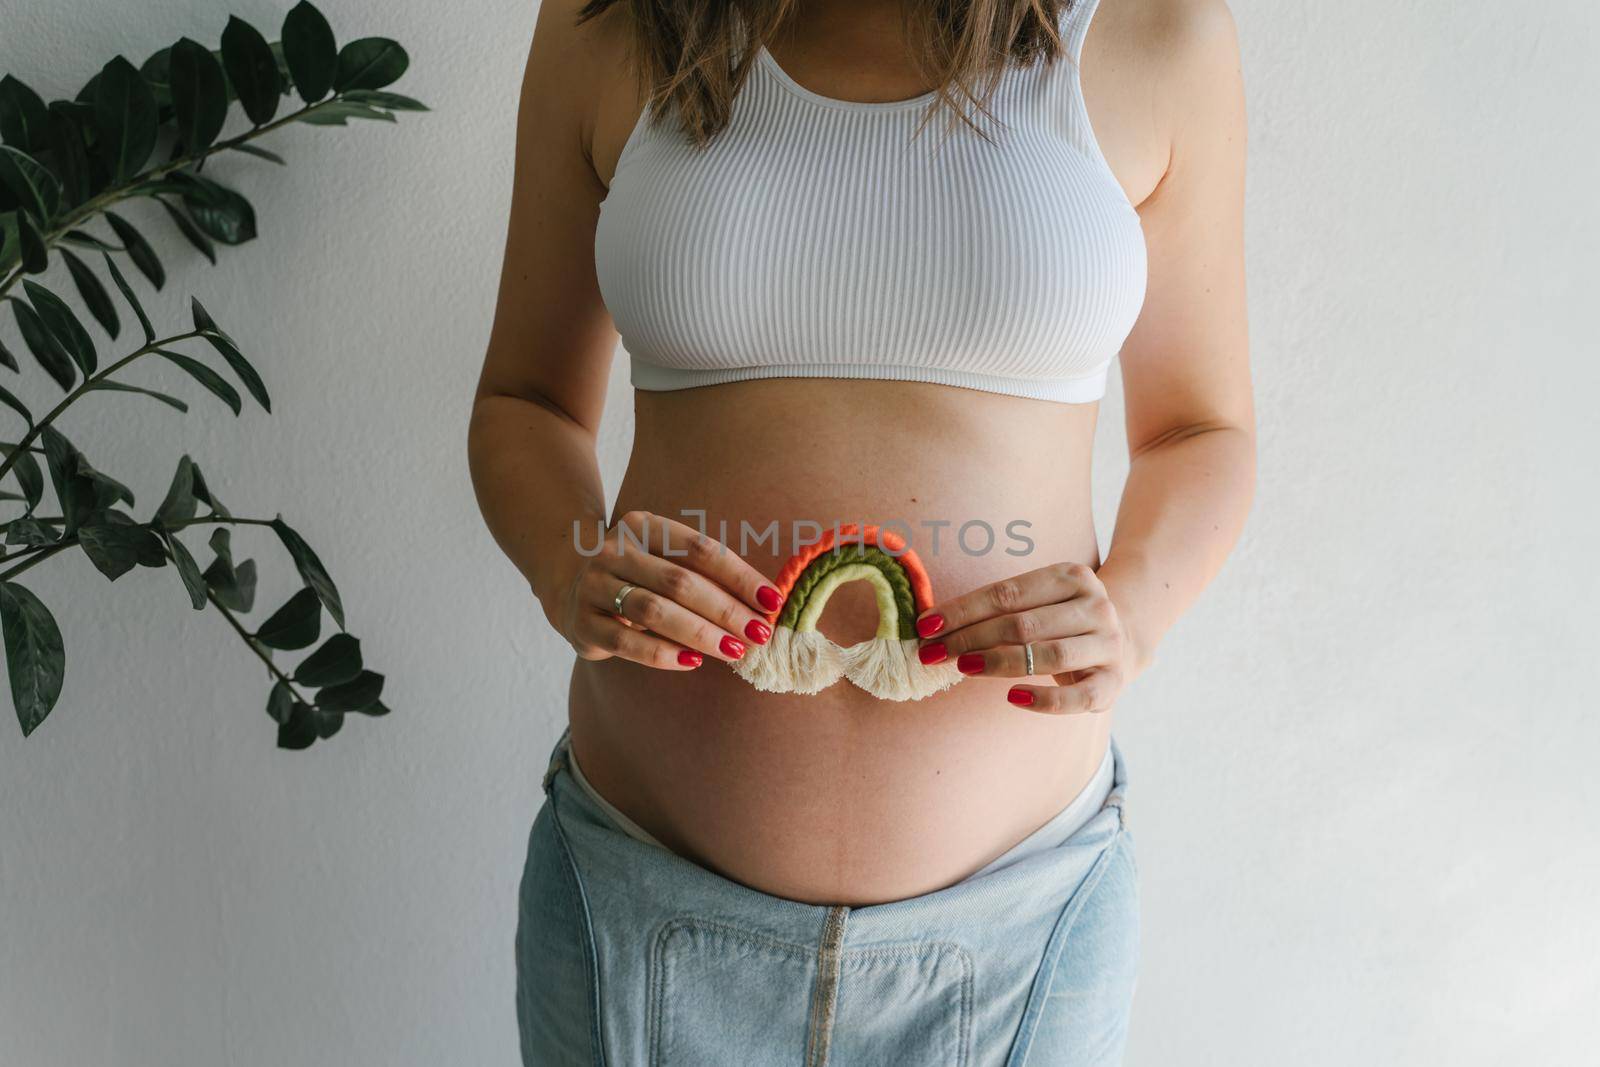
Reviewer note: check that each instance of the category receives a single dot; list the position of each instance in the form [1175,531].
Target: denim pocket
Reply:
[722,996]
[725,996]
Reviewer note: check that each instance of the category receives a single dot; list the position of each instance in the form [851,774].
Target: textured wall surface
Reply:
[1363,767]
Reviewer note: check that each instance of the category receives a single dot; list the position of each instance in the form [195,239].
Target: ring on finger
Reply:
[622,594]
[1027,666]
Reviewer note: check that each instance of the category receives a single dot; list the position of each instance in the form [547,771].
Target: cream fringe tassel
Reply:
[808,662]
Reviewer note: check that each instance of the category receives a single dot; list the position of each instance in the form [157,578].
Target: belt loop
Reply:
[558,757]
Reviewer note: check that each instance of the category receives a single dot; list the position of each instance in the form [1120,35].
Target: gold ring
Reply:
[622,594]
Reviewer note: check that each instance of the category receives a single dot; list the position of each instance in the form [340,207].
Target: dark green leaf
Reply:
[35,656]
[63,323]
[22,115]
[88,240]
[93,291]
[310,568]
[256,150]
[335,112]
[107,490]
[9,361]
[123,387]
[353,695]
[240,594]
[205,495]
[9,399]
[71,157]
[233,586]
[376,708]
[60,456]
[127,294]
[220,212]
[157,71]
[115,548]
[206,377]
[138,249]
[296,624]
[252,70]
[326,721]
[300,731]
[310,50]
[29,531]
[29,476]
[35,256]
[180,504]
[337,660]
[35,188]
[280,702]
[230,352]
[189,570]
[125,119]
[199,94]
[370,63]
[384,99]
[42,343]
[186,226]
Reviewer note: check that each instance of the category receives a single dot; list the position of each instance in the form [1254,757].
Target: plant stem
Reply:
[203,520]
[39,553]
[83,387]
[244,635]
[123,192]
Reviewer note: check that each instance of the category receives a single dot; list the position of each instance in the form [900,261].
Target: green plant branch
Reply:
[85,386]
[203,520]
[40,553]
[130,189]
[244,635]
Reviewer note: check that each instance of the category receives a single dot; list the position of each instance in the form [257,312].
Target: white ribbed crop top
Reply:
[814,237]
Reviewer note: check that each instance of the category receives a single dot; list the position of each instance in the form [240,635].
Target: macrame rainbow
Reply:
[799,659]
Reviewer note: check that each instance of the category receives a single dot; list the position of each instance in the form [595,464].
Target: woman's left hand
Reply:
[1062,612]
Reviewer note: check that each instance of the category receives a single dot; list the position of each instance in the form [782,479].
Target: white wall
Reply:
[1364,788]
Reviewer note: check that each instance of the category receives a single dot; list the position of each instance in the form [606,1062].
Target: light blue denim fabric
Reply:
[631,956]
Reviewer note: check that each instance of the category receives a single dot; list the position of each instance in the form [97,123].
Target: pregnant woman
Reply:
[839,784]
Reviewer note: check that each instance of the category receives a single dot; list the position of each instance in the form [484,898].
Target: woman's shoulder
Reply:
[586,71]
[1172,39]
[1150,70]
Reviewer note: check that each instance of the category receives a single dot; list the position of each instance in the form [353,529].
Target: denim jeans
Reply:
[629,955]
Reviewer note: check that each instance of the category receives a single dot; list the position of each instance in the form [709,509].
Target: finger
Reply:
[604,636]
[703,554]
[1062,619]
[660,614]
[1035,588]
[699,595]
[1057,656]
[1093,691]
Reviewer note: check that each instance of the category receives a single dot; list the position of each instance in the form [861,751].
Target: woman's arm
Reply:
[1185,366]
[531,438]
[536,413]
[1190,415]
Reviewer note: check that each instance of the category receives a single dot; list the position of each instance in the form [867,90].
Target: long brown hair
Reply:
[693,55]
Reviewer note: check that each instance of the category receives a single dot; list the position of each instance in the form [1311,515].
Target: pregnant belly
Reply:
[840,797]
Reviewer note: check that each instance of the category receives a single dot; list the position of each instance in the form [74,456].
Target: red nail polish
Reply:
[970,663]
[932,624]
[769,598]
[757,631]
[1020,697]
[934,653]
[732,647]
[688,658]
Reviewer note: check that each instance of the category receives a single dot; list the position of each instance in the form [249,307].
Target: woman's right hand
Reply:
[692,597]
